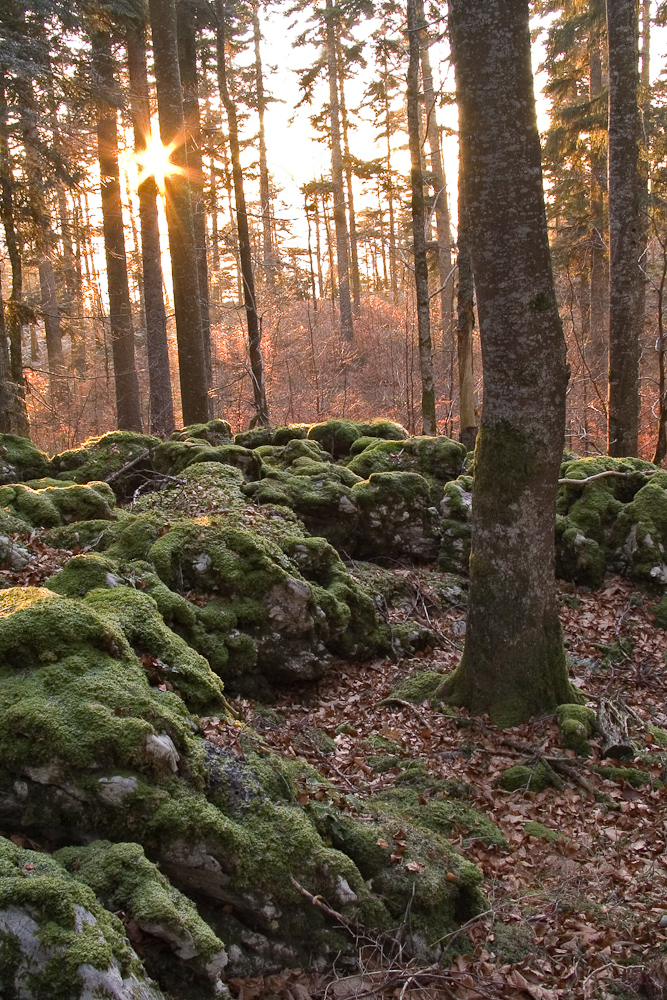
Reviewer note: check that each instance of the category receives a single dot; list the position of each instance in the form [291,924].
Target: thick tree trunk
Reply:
[159,377]
[180,222]
[187,58]
[513,665]
[624,230]
[465,325]
[340,220]
[439,183]
[418,230]
[249,296]
[264,188]
[128,411]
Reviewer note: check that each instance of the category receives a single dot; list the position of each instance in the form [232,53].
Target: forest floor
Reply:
[582,916]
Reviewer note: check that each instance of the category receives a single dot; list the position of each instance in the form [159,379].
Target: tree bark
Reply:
[439,183]
[598,250]
[128,411]
[159,378]
[465,325]
[180,221]
[513,665]
[264,188]
[249,296]
[418,230]
[347,166]
[187,59]
[624,229]
[340,220]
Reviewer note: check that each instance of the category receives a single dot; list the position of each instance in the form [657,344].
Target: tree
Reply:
[128,411]
[159,378]
[418,228]
[249,295]
[465,324]
[180,222]
[268,256]
[513,665]
[625,276]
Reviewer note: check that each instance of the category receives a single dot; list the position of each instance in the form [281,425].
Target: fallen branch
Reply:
[604,475]
[356,929]
[127,467]
[612,724]
[405,704]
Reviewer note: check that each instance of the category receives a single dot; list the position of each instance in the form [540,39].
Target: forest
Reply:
[333,516]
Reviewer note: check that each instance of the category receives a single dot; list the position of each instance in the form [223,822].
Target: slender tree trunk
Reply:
[249,296]
[51,317]
[624,229]
[513,665]
[157,349]
[598,250]
[347,163]
[439,182]
[268,256]
[465,325]
[340,220]
[643,206]
[128,411]
[418,231]
[187,58]
[6,386]
[180,222]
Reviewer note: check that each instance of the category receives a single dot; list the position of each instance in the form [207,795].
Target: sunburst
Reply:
[155,161]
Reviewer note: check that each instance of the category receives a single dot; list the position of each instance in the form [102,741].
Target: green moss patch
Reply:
[575,725]
[99,457]
[20,459]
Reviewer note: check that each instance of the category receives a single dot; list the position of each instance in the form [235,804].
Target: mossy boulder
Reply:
[91,750]
[575,725]
[335,436]
[55,505]
[20,459]
[587,540]
[173,457]
[57,942]
[397,516]
[533,777]
[215,432]
[421,685]
[178,947]
[640,533]
[456,526]
[436,457]
[99,458]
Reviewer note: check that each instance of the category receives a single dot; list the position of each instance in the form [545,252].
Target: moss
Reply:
[633,775]
[539,830]
[54,935]
[529,778]
[55,505]
[575,724]
[439,458]
[99,457]
[418,687]
[254,438]
[123,879]
[295,432]
[215,432]
[173,457]
[383,429]
[659,735]
[20,459]
[95,534]
[397,516]
[335,436]
[512,943]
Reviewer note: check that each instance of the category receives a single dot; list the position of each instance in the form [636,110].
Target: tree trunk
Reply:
[439,182]
[6,387]
[340,220]
[347,163]
[598,250]
[465,325]
[264,189]
[51,317]
[249,297]
[624,240]
[418,230]
[128,411]
[513,665]
[180,223]
[159,378]
[187,59]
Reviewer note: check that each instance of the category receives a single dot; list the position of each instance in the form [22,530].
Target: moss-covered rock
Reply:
[529,777]
[542,832]
[57,942]
[575,725]
[435,457]
[91,750]
[335,436]
[20,459]
[421,685]
[173,457]
[397,516]
[215,432]
[633,775]
[98,458]
[177,945]
[639,536]
[55,505]
[456,527]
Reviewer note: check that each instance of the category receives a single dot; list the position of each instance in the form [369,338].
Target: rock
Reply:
[100,457]
[215,432]
[56,505]
[576,724]
[13,555]
[436,457]
[397,516]
[20,459]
